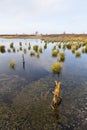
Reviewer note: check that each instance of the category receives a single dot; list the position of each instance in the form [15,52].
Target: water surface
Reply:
[26,91]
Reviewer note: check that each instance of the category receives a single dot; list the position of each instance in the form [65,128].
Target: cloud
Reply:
[50,15]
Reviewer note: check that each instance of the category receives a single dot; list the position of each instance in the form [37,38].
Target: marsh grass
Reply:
[86,49]
[20,48]
[68,45]
[54,48]
[59,45]
[11,45]
[78,53]
[45,46]
[56,67]
[32,53]
[55,53]
[20,43]
[35,48]
[40,49]
[38,54]
[64,46]
[2,48]
[29,47]
[83,50]
[73,48]
[25,51]
[12,64]
[14,50]
[61,56]
[9,50]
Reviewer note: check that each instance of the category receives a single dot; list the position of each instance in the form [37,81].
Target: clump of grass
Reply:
[20,43]
[45,46]
[14,50]
[35,48]
[32,53]
[25,51]
[20,48]
[54,48]
[2,48]
[86,49]
[54,53]
[56,67]
[40,50]
[29,47]
[62,56]
[68,45]
[12,64]
[59,45]
[73,48]
[11,45]
[78,53]
[83,50]
[9,50]
[38,54]
[64,47]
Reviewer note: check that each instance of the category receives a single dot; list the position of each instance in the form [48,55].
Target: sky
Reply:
[44,16]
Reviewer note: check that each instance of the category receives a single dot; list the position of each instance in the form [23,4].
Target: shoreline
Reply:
[48,37]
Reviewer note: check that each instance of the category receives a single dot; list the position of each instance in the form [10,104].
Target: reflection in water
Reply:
[24,65]
[56,115]
[23,61]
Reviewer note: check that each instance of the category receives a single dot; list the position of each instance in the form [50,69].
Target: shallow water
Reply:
[26,91]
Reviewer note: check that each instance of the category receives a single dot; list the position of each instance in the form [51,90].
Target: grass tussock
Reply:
[40,50]
[11,45]
[20,43]
[45,46]
[55,53]
[62,56]
[12,64]
[78,53]
[73,48]
[83,50]
[86,49]
[14,50]
[35,48]
[9,50]
[25,51]
[56,67]
[2,48]
[32,53]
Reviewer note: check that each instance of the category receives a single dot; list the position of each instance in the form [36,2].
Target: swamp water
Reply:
[26,90]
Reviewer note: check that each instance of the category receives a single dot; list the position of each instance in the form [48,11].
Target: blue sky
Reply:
[44,16]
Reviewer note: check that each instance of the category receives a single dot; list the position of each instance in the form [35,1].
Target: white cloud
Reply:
[28,15]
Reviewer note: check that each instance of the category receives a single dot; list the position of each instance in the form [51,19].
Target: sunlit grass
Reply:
[55,53]
[73,48]
[35,48]
[12,64]
[32,53]
[40,49]
[61,56]
[56,67]
[78,53]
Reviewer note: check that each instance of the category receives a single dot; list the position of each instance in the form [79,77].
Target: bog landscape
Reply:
[43,64]
[29,67]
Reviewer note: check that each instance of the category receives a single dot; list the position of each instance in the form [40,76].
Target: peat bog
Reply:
[28,69]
